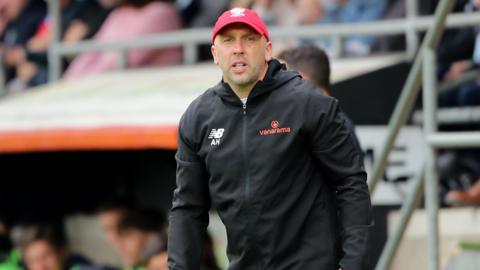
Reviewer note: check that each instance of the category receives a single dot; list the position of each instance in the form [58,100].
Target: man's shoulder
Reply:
[203,101]
[304,91]
[200,106]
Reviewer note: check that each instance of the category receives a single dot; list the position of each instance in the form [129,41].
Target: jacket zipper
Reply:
[244,149]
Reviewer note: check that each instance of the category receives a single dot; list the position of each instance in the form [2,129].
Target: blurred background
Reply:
[91,92]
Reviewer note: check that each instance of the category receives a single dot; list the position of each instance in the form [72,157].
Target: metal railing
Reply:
[457,115]
[425,65]
[190,38]
[2,74]
[410,91]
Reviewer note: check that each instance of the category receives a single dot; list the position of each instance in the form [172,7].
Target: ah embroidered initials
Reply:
[216,135]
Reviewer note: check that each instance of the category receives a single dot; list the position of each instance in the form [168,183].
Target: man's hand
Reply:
[457,69]
[14,56]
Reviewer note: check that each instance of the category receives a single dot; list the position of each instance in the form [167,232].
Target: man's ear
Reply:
[214,54]
[268,51]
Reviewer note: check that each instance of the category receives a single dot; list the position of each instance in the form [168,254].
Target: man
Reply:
[109,215]
[261,147]
[313,65]
[44,247]
[142,234]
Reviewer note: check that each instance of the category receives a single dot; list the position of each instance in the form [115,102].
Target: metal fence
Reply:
[423,72]
[189,39]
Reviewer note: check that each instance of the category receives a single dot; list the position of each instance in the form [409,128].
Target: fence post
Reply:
[431,175]
[54,57]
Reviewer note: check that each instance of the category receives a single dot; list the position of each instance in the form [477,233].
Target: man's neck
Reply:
[242,91]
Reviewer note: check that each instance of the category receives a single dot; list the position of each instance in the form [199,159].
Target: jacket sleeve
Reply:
[189,213]
[340,161]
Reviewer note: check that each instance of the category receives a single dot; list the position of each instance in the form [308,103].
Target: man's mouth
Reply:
[239,67]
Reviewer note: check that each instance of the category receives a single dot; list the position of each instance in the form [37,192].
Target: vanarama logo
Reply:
[275,129]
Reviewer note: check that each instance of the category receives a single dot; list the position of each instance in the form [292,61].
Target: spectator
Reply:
[343,11]
[471,196]
[142,240]
[44,247]
[9,257]
[158,261]
[21,19]
[296,12]
[80,19]
[201,13]
[109,215]
[279,12]
[130,20]
[459,53]
[283,13]
[313,65]
[459,173]
[141,235]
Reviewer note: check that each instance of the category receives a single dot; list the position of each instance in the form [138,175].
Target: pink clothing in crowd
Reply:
[128,23]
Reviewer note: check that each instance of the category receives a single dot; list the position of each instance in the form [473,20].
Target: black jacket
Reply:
[269,169]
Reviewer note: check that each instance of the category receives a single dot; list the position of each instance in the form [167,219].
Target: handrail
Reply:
[398,119]
[189,38]
[460,115]
[431,173]
[411,203]
[54,58]
[203,35]
[412,38]
[410,91]
[2,75]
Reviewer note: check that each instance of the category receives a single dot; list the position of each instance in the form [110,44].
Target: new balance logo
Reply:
[216,135]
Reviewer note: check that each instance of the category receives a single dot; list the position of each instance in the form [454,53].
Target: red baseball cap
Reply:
[240,15]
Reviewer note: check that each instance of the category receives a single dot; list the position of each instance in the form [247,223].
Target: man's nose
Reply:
[238,47]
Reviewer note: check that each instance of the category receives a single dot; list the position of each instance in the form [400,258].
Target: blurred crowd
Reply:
[138,235]
[458,54]
[25,30]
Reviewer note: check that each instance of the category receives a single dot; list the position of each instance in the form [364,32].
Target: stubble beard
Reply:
[243,80]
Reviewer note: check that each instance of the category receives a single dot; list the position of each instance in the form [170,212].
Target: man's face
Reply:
[132,245]
[109,222]
[242,55]
[40,255]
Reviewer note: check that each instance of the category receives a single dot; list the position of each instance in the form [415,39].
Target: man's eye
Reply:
[227,39]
